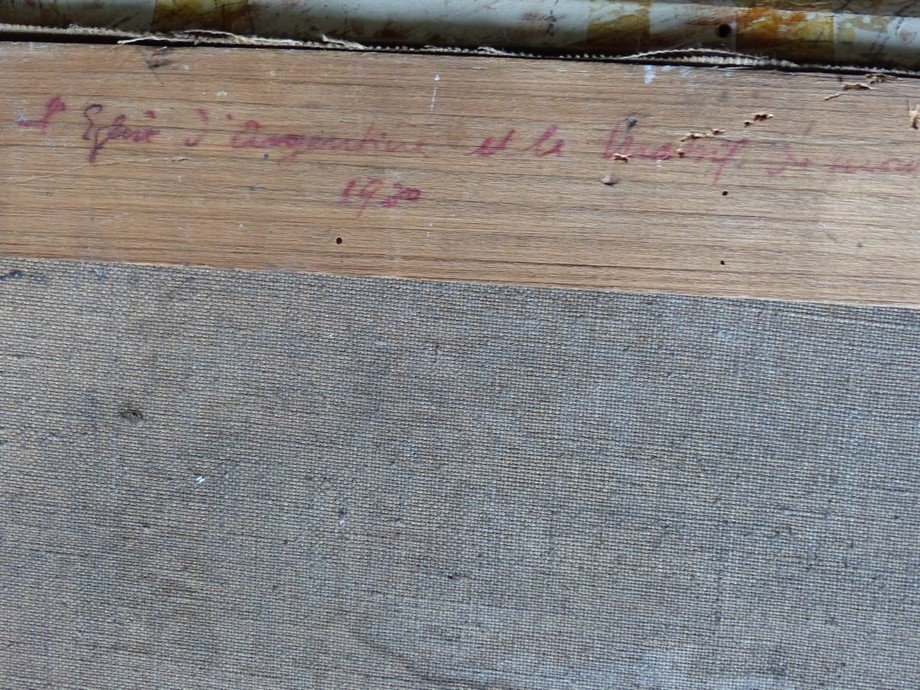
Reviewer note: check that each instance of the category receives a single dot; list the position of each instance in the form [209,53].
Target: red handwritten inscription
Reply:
[541,146]
[295,145]
[717,153]
[100,135]
[402,193]
[622,142]
[368,192]
[203,115]
[791,162]
[627,146]
[492,145]
[54,106]
[847,165]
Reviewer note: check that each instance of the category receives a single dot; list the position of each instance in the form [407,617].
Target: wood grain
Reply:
[403,165]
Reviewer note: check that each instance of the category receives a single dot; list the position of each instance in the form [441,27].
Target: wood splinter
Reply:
[713,132]
[914,116]
[157,58]
[621,157]
[758,117]
[860,85]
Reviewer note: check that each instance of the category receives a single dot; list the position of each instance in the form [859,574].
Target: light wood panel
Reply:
[446,167]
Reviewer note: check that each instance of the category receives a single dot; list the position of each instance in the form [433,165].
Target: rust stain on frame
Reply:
[877,33]
[624,24]
[688,25]
[801,36]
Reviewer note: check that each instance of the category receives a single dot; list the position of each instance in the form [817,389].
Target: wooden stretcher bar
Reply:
[702,181]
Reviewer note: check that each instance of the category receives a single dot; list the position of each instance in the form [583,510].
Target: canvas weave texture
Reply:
[228,479]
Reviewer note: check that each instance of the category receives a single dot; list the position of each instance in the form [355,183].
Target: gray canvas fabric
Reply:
[252,480]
